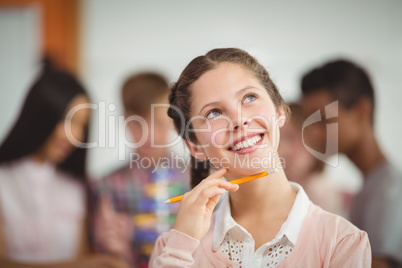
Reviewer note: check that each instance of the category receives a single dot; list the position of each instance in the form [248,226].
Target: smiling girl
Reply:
[229,113]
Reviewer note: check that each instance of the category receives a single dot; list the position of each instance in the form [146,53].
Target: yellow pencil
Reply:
[238,181]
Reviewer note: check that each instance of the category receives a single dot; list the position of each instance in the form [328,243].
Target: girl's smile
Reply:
[247,144]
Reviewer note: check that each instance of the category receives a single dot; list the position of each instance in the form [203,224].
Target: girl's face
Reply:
[236,124]
[58,146]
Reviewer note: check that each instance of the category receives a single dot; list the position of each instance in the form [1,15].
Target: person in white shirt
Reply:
[43,184]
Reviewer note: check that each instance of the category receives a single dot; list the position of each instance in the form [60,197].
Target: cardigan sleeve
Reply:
[352,251]
[174,249]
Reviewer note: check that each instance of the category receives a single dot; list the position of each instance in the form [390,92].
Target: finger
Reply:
[213,191]
[197,196]
[212,202]
[215,182]
[212,188]
[217,174]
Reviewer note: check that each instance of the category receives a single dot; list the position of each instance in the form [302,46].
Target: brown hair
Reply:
[180,96]
[141,90]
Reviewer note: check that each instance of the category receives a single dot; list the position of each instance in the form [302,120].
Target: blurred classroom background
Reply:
[103,41]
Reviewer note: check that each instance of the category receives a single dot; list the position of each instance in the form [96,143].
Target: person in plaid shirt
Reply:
[130,212]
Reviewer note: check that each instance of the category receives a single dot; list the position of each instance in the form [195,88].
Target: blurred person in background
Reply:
[305,169]
[131,213]
[377,207]
[43,183]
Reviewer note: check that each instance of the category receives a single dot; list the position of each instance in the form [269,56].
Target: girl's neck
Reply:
[270,195]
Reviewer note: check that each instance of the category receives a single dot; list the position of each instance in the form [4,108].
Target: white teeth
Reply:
[246,143]
[239,146]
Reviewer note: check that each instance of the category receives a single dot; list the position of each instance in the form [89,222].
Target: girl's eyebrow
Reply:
[239,92]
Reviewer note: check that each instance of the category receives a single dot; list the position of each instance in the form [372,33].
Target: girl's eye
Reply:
[249,98]
[213,114]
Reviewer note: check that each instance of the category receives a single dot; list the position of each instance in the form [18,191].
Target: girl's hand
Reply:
[197,205]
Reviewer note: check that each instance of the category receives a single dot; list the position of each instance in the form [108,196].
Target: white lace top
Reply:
[238,244]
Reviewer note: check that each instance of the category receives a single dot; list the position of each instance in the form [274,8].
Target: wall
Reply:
[120,37]
[19,55]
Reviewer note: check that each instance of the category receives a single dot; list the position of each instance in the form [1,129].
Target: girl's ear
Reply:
[281,117]
[196,151]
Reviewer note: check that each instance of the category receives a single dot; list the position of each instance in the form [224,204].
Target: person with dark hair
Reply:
[229,112]
[376,208]
[43,182]
[130,214]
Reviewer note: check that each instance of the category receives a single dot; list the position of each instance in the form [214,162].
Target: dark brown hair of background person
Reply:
[345,81]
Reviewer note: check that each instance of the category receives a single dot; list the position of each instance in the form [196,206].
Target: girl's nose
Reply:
[242,122]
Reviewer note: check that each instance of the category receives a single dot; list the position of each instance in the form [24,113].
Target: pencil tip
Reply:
[272,171]
[167,202]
